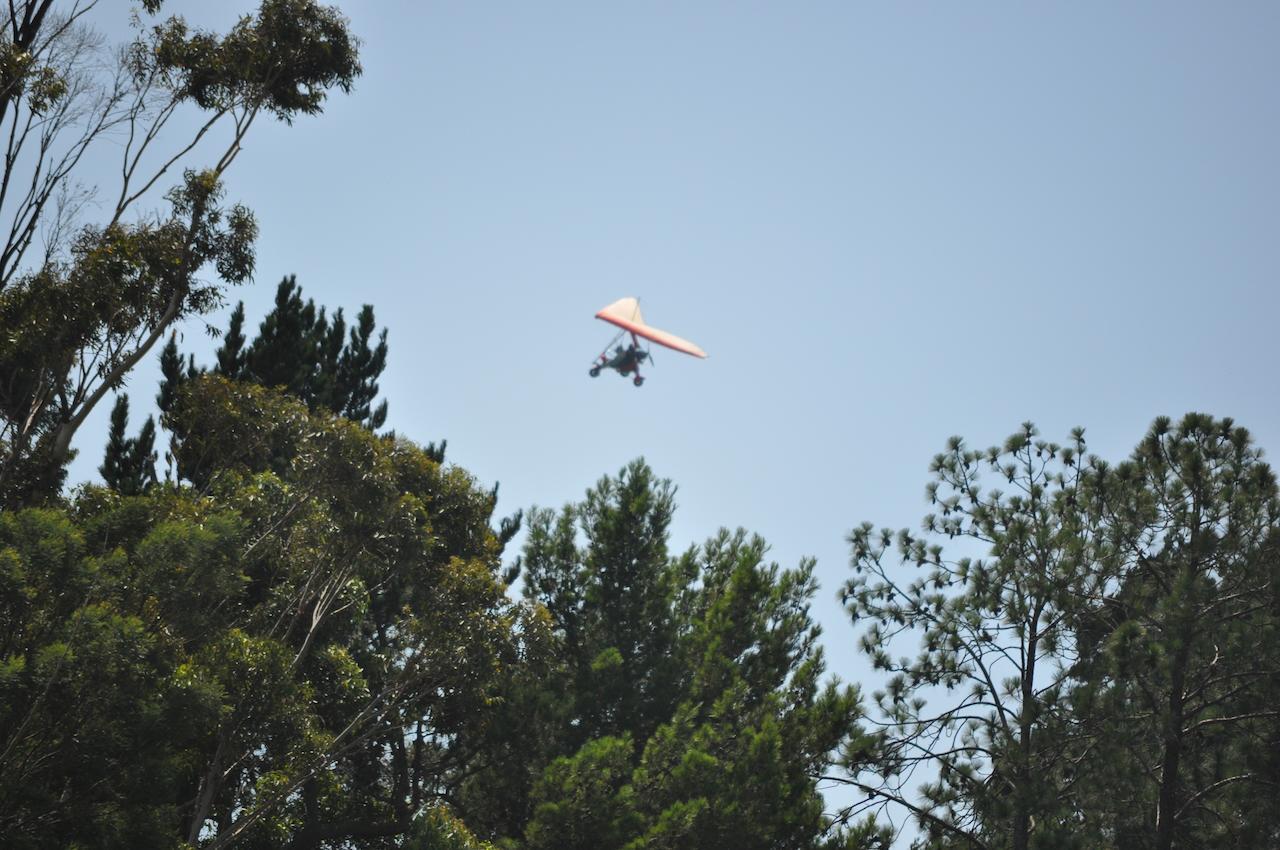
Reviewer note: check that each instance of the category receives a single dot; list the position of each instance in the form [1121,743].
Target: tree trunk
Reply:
[1170,762]
[1021,797]
[209,786]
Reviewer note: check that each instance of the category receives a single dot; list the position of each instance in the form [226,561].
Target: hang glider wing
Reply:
[625,313]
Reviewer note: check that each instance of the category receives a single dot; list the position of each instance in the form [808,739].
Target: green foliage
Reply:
[678,702]
[121,281]
[83,713]
[282,60]
[300,351]
[284,658]
[440,829]
[173,372]
[24,76]
[129,466]
[1181,665]
[1098,668]
[994,641]
[231,353]
[73,325]
[583,802]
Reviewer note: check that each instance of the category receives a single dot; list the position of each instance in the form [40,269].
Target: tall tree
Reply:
[979,716]
[1182,669]
[1098,670]
[359,365]
[231,354]
[173,373]
[79,315]
[600,676]
[95,730]
[283,659]
[300,349]
[679,702]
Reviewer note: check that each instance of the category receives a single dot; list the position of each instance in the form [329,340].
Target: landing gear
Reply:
[625,361]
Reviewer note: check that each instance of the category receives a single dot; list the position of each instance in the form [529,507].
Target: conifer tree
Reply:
[231,355]
[359,365]
[283,355]
[680,702]
[117,453]
[129,466]
[301,351]
[173,373]
[1098,667]
[1179,680]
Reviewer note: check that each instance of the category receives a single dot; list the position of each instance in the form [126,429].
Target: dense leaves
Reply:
[680,702]
[300,350]
[121,285]
[280,661]
[129,466]
[296,351]
[1183,668]
[284,59]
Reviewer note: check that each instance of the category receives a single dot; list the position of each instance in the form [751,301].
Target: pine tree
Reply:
[129,465]
[1182,663]
[359,366]
[117,454]
[283,353]
[142,457]
[302,352]
[1099,668]
[173,373]
[231,355]
[982,705]
[679,702]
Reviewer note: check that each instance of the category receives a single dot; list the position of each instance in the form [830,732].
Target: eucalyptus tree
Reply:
[83,299]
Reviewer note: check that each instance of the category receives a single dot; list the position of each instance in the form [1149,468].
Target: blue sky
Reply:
[886,223]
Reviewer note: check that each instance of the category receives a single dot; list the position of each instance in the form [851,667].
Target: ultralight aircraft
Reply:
[626,360]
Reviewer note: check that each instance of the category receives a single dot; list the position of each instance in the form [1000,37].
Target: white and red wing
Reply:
[625,313]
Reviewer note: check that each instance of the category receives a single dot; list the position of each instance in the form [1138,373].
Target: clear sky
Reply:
[887,223]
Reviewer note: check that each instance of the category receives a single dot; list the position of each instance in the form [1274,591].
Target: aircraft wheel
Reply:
[595,372]
[637,380]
